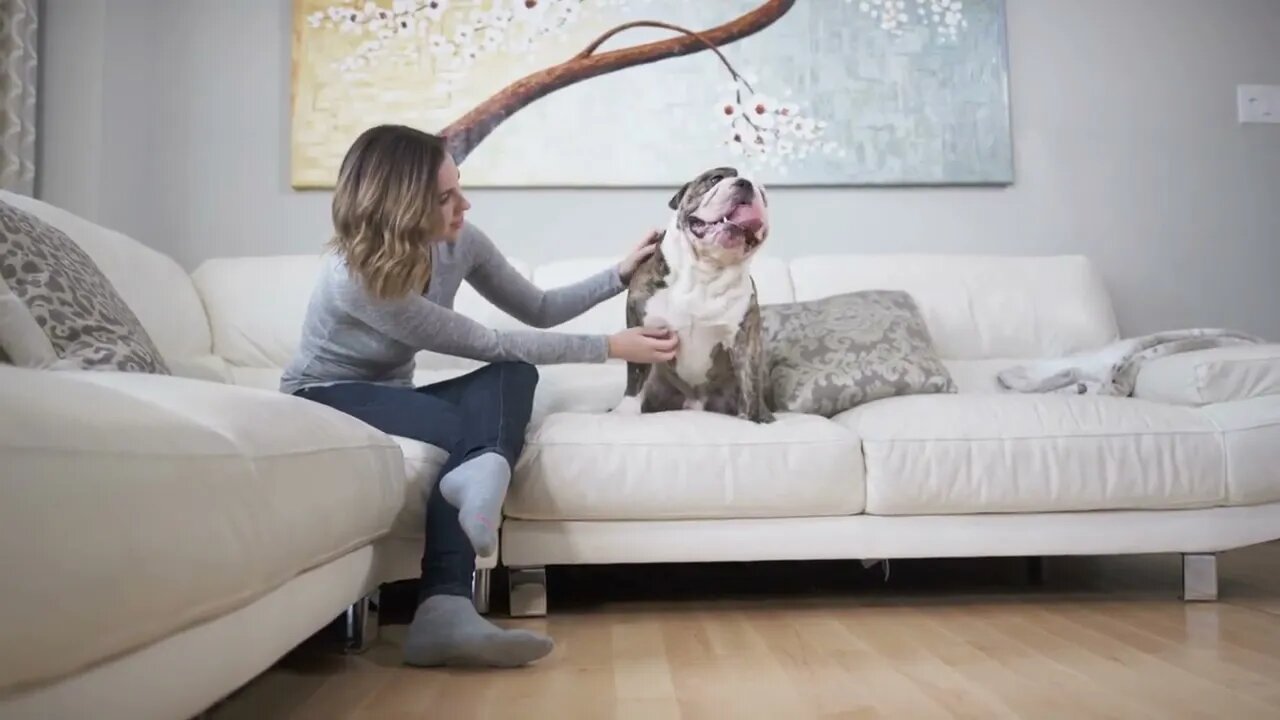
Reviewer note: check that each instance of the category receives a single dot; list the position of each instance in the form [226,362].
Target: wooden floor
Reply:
[1098,638]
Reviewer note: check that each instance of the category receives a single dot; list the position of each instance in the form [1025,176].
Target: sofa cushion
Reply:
[422,464]
[826,356]
[980,306]
[1214,375]
[132,505]
[561,388]
[1251,440]
[58,309]
[950,454]
[602,466]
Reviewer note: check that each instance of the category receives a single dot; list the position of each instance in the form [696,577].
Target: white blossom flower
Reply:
[492,40]
[761,110]
[524,11]
[766,132]
[435,9]
[729,111]
[500,18]
[405,25]
[945,18]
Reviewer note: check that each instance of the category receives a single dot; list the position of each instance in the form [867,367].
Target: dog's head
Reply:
[723,216]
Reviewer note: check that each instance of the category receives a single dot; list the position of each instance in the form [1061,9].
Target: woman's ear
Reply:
[675,199]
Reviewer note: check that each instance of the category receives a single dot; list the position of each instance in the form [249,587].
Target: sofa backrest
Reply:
[977,307]
[980,307]
[152,284]
[256,307]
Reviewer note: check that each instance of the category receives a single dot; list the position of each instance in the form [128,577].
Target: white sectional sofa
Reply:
[163,539]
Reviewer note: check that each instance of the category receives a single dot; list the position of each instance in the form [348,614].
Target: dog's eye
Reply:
[696,222]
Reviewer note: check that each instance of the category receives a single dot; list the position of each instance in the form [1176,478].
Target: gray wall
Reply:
[168,120]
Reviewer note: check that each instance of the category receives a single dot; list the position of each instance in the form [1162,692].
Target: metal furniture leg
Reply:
[528,591]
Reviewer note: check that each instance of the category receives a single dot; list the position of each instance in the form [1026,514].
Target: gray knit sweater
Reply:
[348,335]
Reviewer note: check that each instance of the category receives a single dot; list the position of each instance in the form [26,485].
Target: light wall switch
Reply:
[1258,103]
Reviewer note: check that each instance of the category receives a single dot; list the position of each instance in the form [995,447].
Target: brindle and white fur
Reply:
[698,284]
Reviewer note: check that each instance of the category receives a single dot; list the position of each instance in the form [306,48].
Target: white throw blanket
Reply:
[1112,369]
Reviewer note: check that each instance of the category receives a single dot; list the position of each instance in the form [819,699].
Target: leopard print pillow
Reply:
[47,281]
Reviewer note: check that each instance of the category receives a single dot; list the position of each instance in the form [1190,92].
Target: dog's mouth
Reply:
[742,225]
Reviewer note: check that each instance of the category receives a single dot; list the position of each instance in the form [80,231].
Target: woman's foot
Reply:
[447,630]
[478,487]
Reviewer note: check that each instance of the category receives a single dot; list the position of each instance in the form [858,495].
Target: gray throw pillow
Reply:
[57,309]
[829,355]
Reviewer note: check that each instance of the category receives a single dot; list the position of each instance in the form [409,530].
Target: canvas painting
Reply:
[643,93]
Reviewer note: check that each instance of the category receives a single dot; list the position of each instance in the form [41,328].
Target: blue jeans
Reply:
[484,411]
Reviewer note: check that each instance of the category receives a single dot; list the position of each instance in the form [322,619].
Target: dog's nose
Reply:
[743,183]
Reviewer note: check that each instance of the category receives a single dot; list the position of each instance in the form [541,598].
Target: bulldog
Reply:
[698,284]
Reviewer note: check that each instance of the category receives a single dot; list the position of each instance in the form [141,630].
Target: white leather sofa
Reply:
[164,539]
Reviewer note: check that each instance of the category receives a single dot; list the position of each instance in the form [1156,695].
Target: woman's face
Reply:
[453,205]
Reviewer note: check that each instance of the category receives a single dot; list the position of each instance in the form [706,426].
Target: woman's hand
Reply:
[628,266]
[644,345]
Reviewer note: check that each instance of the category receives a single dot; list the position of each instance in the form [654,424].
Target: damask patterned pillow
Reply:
[57,309]
[829,355]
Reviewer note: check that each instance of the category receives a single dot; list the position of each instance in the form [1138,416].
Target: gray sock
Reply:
[478,488]
[447,630]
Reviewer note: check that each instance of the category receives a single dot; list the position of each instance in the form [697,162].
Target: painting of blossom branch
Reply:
[641,93]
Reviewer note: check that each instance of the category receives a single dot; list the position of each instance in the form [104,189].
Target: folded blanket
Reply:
[1112,369]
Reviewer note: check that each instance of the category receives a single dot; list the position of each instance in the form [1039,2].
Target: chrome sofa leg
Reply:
[1199,577]
[360,624]
[480,584]
[527,588]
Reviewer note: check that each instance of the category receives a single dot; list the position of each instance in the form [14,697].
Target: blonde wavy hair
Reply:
[386,211]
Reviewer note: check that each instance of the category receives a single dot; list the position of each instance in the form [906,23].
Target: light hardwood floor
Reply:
[1099,638]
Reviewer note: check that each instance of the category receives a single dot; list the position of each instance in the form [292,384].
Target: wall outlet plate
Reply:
[1258,103]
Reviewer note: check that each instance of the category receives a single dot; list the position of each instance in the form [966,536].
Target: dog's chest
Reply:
[703,317]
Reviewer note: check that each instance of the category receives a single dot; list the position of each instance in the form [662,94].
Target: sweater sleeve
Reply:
[425,325]
[494,278]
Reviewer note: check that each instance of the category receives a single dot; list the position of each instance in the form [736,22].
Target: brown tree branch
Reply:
[595,44]
[468,131]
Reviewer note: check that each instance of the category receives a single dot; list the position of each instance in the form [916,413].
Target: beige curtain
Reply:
[18,25]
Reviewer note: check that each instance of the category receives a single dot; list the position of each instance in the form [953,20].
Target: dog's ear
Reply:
[674,203]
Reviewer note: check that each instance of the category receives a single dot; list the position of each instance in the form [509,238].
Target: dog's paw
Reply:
[630,405]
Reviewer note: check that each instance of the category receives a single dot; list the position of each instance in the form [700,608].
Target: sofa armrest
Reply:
[1203,377]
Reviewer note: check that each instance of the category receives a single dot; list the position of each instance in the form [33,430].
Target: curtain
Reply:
[18,26]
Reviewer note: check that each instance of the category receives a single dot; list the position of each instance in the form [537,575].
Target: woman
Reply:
[400,250]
